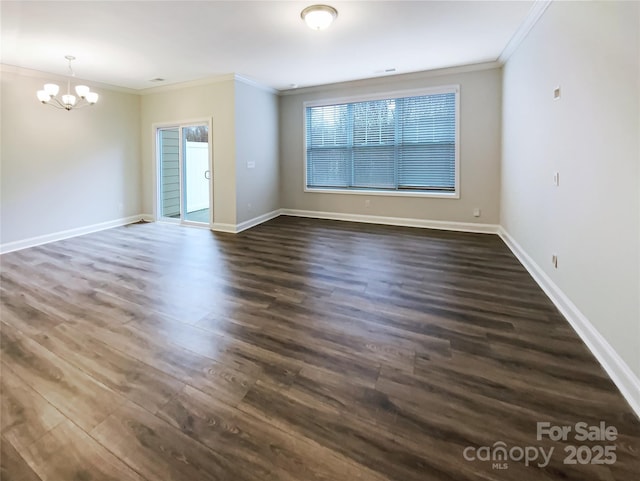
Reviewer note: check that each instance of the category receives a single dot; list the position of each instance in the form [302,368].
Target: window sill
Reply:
[387,193]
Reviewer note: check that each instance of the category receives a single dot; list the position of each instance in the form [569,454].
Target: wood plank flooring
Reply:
[300,350]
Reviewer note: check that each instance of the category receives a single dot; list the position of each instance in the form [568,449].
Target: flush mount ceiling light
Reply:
[319,17]
[49,94]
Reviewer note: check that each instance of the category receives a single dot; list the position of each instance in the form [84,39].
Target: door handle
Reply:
[207,174]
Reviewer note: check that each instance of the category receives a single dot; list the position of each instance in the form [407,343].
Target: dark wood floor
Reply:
[299,350]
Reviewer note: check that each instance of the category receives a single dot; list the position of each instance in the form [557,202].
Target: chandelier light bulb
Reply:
[51,89]
[82,91]
[92,97]
[69,101]
[43,96]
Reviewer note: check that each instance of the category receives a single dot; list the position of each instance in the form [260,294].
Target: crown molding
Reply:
[372,81]
[206,81]
[255,83]
[39,74]
[48,76]
[188,84]
[534,14]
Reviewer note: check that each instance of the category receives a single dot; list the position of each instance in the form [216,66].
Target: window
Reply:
[400,144]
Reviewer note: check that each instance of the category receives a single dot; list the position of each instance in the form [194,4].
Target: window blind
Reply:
[406,143]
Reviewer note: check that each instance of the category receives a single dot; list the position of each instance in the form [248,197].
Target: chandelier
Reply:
[49,94]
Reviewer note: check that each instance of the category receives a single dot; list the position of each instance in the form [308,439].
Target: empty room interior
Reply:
[287,241]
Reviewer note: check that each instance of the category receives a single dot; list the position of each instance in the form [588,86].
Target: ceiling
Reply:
[127,44]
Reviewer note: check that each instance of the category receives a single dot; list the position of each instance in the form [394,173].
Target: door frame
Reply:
[156,169]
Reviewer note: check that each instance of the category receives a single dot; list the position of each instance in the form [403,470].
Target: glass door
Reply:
[184,174]
[196,176]
[169,174]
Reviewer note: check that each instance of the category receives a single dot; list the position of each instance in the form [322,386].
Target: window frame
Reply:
[386,95]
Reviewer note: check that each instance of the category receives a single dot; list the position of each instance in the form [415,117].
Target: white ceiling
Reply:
[128,43]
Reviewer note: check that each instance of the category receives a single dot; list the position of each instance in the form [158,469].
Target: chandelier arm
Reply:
[54,102]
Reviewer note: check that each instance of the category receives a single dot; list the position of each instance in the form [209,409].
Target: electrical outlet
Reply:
[476,212]
[367,203]
[554,260]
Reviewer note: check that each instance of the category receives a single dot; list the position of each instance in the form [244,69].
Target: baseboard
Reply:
[368,219]
[619,372]
[399,221]
[66,234]
[220,227]
[247,224]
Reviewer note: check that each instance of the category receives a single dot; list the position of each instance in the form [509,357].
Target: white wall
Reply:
[591,137]
[480,104]
[65,170]
[214,100]
[256,115]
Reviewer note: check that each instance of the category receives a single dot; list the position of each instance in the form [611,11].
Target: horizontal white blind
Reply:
[328,163]
[395,144]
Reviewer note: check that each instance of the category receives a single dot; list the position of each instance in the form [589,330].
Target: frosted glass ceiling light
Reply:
[319,17]
[49,94]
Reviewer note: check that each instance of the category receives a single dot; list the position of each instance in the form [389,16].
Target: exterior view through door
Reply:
[184,174]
